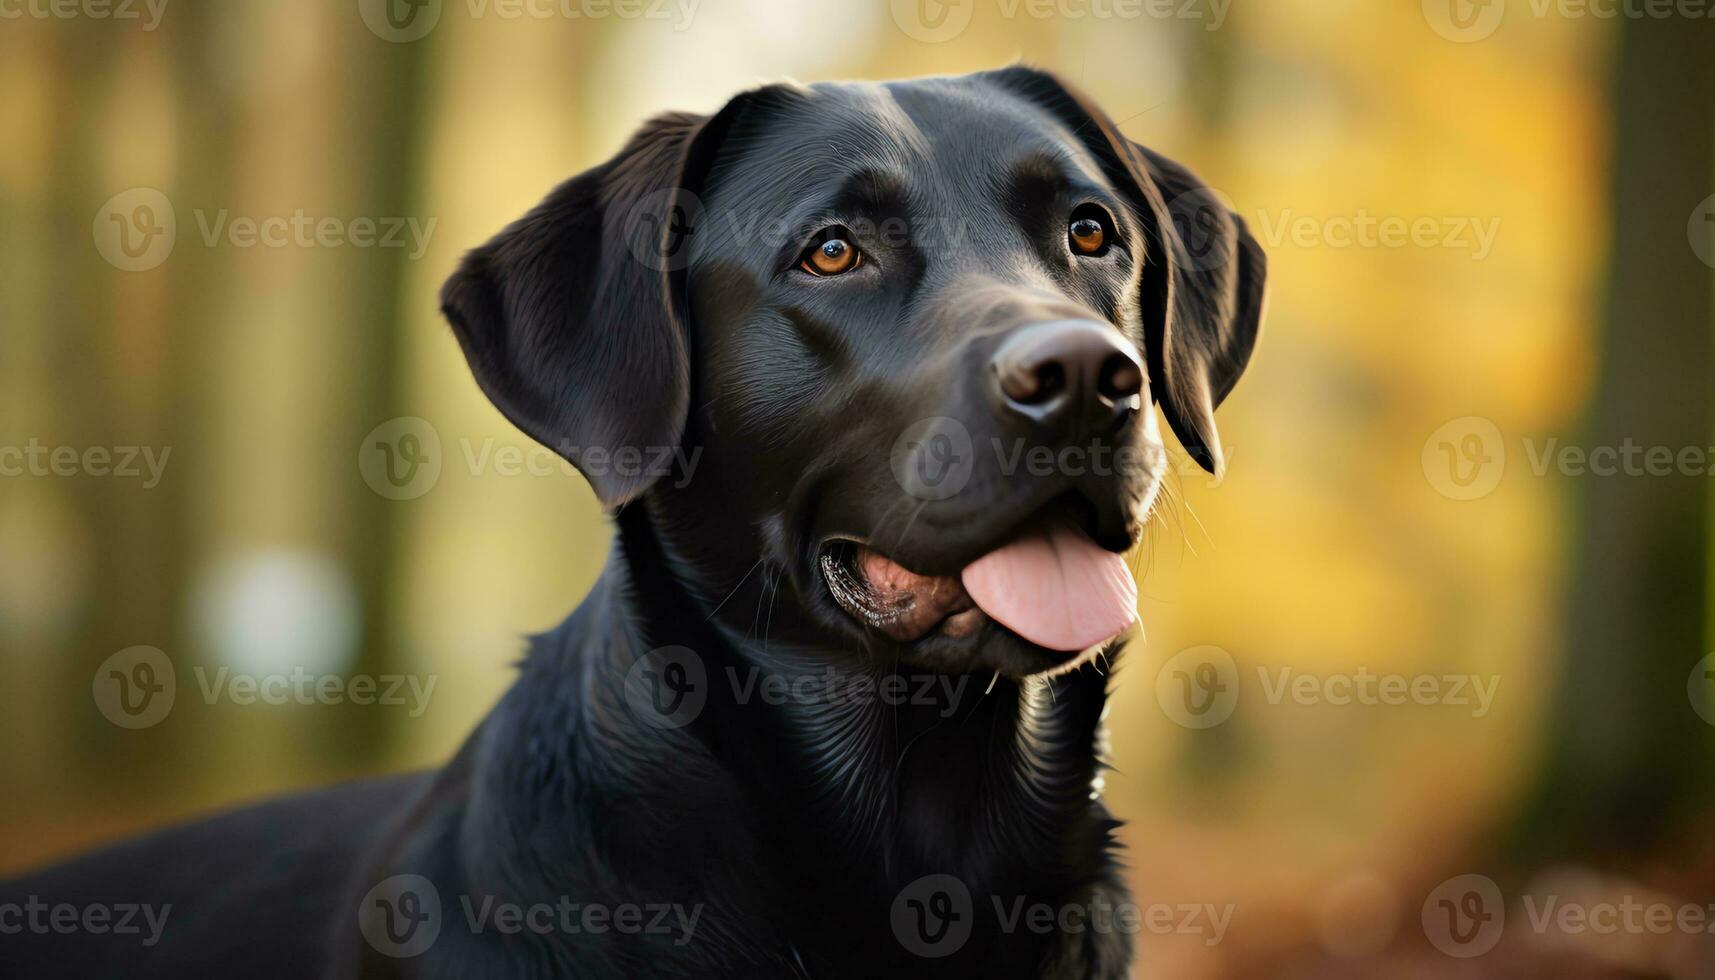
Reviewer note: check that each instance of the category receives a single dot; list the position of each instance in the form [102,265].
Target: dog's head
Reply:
[901,341]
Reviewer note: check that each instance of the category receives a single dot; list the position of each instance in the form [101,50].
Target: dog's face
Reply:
[909,333]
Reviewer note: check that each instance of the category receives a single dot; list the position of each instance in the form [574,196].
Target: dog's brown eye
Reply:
[1087,235]
[830,257]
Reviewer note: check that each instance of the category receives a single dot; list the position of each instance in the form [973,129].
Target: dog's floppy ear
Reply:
[570,317]
[1202,288]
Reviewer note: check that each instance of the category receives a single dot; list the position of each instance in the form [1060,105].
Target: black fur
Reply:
[644,305]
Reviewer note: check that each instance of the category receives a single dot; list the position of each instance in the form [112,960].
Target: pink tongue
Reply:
[1055,587]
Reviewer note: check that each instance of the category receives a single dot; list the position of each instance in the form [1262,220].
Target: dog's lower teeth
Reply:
[880,593]
[855,595]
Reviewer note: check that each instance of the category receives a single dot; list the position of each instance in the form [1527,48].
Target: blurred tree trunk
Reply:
[396,78]
[1628,758]
[155,342]
[109,324]
[306,344]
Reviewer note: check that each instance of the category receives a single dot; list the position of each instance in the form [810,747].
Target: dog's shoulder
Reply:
[249,885]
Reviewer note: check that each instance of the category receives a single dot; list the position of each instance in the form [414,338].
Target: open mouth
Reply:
[1050,583]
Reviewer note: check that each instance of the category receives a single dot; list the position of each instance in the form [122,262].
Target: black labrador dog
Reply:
[865,373]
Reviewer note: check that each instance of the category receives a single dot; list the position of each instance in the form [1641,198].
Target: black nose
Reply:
[1068,368]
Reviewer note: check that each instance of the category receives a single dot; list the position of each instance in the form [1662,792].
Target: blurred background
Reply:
[1442,632]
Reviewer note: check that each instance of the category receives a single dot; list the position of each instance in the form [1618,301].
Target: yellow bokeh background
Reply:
[1327,549]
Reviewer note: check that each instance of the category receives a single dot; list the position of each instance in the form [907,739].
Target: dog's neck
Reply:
[840,774]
